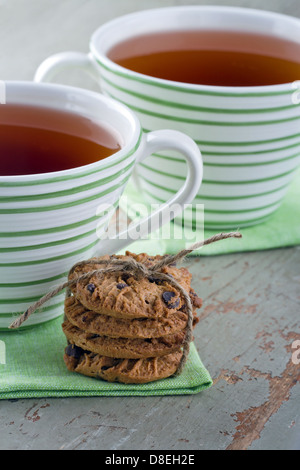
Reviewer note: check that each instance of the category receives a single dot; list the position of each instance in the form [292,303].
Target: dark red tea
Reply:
[40,140]
[211,58]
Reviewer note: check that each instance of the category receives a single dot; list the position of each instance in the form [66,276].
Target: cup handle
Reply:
[153,142]
[65,60]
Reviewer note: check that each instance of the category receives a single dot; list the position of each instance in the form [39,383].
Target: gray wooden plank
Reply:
[244,338]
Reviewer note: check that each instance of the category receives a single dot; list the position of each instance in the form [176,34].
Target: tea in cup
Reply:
[225,76]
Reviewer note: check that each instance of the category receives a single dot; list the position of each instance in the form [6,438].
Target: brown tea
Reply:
[211,58]
[41,140]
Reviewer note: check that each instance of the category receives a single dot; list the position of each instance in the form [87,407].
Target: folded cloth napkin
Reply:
[282,229]
[34,368]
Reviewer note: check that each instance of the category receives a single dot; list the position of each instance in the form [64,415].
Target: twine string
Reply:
[139,271]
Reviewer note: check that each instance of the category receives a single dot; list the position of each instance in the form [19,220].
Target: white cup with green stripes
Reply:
[50,221]
[249,136]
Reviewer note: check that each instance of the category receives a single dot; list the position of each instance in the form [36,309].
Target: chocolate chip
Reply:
[111,363]
[91,288]
[94,336]
[126,276]
[175,304]
[121,286]
[196,301]
[154,280]
[167,297]
[74,351]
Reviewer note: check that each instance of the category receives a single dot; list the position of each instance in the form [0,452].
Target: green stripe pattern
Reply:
[49,224]
[250,143]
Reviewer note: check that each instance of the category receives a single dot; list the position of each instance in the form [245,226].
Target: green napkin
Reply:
[282,229]
[35,368]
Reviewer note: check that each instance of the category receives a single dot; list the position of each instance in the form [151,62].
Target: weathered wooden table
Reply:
[249,320]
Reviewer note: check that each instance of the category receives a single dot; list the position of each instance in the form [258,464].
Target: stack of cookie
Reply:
[123,329]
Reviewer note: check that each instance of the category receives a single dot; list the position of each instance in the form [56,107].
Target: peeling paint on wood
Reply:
[253,420]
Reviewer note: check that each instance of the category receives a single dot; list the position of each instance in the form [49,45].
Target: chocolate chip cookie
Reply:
[97,323]
[123,296]
[127,328]
[123,347]
[127,371]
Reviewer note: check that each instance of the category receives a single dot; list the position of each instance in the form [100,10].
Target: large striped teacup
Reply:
[50,221]
[249,136]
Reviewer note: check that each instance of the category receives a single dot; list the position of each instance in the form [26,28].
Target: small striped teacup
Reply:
[50,221]
[249,136]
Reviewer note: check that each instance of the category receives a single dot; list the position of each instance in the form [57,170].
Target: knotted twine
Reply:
[139,271]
